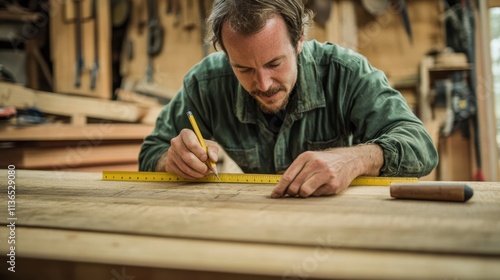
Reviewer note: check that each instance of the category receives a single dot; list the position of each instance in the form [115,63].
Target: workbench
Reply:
[74,225]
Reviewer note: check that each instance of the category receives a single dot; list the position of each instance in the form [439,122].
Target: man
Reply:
[317,112]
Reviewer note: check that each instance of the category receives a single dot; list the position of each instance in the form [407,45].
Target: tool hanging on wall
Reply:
[469,27]
[379,7]
[95,67]
[80,64]
[120,13]
[141,22]
[460,23]
[406,19]
[462,102]
[78,21]
[6,75]
[154,38]
[121,46]
[205,48]
[443,99]
[174,7]
[188,15]
[321,9]
[376,7]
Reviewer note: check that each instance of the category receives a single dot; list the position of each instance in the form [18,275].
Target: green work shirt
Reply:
[339,100]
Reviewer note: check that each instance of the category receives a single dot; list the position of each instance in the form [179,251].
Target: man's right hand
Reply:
[186,157]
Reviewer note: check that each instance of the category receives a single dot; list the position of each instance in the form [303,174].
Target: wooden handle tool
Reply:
[441,191]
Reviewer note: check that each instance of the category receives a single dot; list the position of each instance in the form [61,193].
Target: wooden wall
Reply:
[383,39]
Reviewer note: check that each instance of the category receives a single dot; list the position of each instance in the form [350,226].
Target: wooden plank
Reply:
[132,166]
[78,119]
[332,26]
[493,3]
[18,15]
[424,98]
[66,105]
[285,262]
[71,155]
[151,115]
[455,158]
[91,132]
[348,26]
[60,269]
[433,127]
[341,28]
[128,96]
[359,218]
[486,116]
[277,225]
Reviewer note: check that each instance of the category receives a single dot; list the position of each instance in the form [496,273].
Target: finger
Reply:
[182,160]
[322,191]
[287,179]
[280,189]
[175,169]
[192,143]
[213,150]
[323,183]
[307,185]
[178,165]
[308,175]
[200,160]
[302,178]
[328,189]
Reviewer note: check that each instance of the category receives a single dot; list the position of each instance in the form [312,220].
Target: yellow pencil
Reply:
[211,165]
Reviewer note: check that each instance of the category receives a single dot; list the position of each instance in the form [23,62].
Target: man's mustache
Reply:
[270,92]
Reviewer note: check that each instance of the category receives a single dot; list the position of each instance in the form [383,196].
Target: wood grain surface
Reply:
[361,219]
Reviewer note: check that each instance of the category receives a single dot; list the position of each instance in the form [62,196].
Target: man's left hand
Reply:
[318,173]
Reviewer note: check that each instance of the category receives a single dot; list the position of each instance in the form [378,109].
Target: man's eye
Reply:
[245,70]
[274,65]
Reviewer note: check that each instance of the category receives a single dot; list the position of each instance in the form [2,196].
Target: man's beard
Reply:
[268,93]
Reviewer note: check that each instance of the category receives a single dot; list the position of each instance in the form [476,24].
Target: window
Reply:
[495,62]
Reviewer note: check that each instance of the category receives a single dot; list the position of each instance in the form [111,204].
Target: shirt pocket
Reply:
[247,159]
[324,145]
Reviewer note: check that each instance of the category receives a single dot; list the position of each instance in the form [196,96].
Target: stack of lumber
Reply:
[78,108]
[97,134]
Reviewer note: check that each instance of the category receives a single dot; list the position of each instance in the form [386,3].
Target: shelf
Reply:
[445,68]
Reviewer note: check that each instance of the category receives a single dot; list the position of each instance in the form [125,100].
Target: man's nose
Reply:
[263,80]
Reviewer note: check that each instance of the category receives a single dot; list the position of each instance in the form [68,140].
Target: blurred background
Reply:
[82,81]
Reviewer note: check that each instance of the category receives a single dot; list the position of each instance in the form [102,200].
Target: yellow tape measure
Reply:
[236,178]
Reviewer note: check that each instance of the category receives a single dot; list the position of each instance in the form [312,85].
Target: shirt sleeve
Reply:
[381,115]
[199,94]
[171,120]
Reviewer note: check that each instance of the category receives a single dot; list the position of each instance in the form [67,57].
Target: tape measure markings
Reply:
[142,176]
